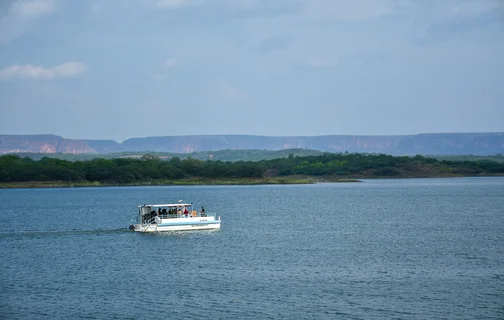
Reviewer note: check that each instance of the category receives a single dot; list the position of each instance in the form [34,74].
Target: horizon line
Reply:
[259,135]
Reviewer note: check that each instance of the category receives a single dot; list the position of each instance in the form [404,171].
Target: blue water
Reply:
[381,249]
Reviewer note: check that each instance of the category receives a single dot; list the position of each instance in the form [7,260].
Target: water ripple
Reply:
[381,249]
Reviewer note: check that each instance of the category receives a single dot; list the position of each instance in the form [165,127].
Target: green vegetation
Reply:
[228,155]
[497,158]
[223,155]
[179,182]
[150,170]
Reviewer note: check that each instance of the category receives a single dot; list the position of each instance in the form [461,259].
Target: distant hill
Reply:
[50,143]
[222,155]
[481,144]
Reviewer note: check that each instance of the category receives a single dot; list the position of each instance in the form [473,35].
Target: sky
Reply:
[117,69]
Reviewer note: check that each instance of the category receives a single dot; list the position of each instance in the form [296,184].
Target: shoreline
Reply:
[214,182]
[180,182]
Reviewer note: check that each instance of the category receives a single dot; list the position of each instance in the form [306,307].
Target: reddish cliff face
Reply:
[430,144]
[42,144]
[36,143]
[74,146]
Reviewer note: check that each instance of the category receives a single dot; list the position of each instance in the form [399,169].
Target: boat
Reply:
[173,217]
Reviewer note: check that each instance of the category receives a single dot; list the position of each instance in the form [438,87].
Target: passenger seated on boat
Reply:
[202,211]
[163,211]
[186,212]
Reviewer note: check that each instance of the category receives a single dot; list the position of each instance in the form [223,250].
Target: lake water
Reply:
[380,249]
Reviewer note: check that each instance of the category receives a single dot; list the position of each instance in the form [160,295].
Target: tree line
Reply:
[14,168]
[223,155]
[228,155]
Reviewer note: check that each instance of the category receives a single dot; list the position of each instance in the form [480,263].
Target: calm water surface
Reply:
[381,249]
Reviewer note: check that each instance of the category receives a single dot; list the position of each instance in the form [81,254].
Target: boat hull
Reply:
[179,224]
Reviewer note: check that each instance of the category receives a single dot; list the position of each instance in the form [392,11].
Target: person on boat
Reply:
[202,211]
[163,211]
[186,212]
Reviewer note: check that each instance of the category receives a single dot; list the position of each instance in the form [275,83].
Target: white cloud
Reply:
[347,10]
[22,16]
[322,62]
[96,9]
[464,8]
[223,90]
[171,4]
[65,70]
[240,3]
[32,8]
[159,77]
[170,62]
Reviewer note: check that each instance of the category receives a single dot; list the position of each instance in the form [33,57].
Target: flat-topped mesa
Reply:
[425,144]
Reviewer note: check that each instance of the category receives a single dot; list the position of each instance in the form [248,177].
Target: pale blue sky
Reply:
[117,69]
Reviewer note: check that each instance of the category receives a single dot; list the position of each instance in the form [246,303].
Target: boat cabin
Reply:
[148,212]
[178,216]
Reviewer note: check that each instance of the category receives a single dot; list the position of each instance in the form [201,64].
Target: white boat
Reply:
[173,217]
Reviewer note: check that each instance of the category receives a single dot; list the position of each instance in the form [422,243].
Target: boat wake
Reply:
[41,233]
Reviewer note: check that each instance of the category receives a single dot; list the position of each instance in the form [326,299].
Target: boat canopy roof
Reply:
[166,205]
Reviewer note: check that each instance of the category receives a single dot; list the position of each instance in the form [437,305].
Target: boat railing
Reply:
[210,214]
[190,214]
[150,221]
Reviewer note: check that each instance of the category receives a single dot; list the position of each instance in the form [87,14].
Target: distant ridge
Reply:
[425,143]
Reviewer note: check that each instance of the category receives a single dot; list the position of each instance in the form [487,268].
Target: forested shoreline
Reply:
[231,155]
[15,170]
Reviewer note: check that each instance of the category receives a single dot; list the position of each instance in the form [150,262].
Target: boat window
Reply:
[145,210]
